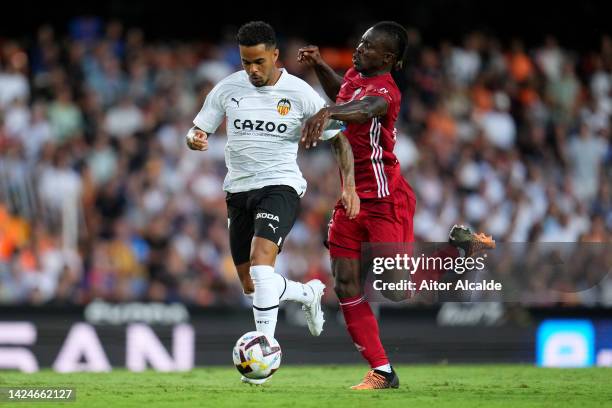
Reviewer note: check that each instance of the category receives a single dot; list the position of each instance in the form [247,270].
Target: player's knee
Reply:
[346,277]
[262,258]
[346,290]
[263,252]
[346,285]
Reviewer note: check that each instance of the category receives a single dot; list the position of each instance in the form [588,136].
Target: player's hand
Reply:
[351,202]
[313,128]
[309,55]
[197,139]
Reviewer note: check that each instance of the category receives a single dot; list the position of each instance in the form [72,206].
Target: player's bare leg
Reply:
[362,325]
[245,279]
[263,252]
[347,278]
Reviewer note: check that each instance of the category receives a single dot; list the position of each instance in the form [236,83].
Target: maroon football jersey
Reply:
[376,168]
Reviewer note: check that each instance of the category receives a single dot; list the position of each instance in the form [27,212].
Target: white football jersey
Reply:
[263,129]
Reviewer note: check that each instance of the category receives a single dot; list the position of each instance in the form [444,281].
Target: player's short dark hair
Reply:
[256,32]
[398,37]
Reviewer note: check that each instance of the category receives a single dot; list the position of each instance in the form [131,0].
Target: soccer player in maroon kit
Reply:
[368,101]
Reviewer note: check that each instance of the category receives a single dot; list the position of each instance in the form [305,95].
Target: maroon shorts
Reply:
[380,220]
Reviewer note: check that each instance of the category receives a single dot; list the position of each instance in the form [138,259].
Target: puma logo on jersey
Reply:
[237,101]
[267,216]
[273,227]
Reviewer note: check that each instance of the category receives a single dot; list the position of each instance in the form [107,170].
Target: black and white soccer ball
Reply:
[257,356]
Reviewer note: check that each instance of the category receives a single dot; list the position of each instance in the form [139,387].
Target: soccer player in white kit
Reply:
[265,107]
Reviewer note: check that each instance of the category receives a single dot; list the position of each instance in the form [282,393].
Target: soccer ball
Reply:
[257,356]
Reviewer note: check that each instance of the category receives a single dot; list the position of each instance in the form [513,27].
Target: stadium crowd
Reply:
[100,197]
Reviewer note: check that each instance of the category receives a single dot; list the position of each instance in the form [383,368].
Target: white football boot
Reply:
[313,311]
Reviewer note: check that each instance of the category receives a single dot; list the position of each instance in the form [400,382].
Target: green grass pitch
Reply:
[430,386]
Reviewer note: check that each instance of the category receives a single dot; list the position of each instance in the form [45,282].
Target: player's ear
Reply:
[389,58]
[276,53]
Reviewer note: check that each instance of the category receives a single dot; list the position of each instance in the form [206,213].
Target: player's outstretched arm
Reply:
[359,111]
[197,139]
[330,81]
[352,112]
[344,156]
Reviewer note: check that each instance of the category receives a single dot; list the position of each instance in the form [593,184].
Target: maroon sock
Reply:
[363,328]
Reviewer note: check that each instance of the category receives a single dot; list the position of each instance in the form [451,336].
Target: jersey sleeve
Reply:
[314,103]
[212,113]
[380,90]
[350,73]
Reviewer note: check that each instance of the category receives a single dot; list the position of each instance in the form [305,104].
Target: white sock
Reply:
[386,368]
[295,291]
[265,298]
[249,295]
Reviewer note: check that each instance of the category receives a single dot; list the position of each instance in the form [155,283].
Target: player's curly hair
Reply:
[399,40]
[256,32]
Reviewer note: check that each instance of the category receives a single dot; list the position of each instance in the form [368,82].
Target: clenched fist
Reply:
[197,139]
[309,55]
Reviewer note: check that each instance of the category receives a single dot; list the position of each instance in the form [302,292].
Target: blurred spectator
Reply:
[65,117]
[14,84]
[520,65]
[563,93]
[123,120]
[497,124]
[550,59]
[586,153]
